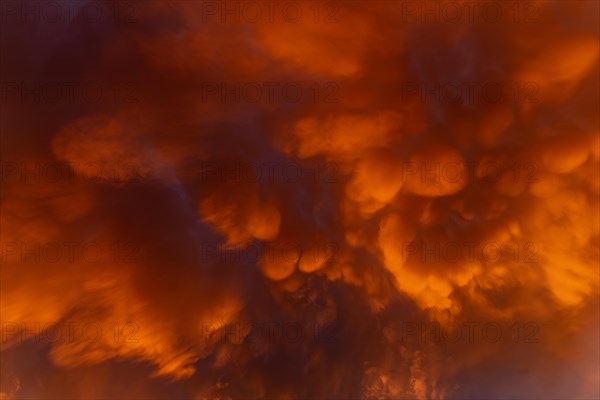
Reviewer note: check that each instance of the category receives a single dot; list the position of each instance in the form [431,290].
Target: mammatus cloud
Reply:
[333,200]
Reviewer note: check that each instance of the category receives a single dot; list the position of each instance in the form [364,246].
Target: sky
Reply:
[292,200]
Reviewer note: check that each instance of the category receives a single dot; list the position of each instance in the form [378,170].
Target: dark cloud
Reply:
[364,200]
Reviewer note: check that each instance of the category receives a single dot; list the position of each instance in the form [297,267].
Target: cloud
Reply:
[363,199]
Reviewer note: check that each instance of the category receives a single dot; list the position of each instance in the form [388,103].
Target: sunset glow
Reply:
[298,200]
